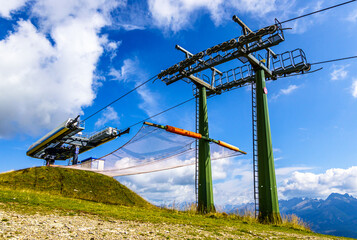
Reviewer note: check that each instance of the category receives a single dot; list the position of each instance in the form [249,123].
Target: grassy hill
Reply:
[55,192]
[72,183]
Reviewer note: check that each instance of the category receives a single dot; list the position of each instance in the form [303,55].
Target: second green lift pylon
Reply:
[268,196]
[205,188]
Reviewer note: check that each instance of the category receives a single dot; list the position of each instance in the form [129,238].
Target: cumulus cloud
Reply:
[37,85]
[133,17]
[130,72]
[93,13]
[354,88]
[339,72]
[283,172]
[111,48]
[289,90]
[108,115]
[233,182]
[352,17]
[177,185]
[164,187]
[287,9]
[307,184]
[7,7]
[127,72]
[286,91]
[47,73]
[237,188]
[255,6]
[175,14]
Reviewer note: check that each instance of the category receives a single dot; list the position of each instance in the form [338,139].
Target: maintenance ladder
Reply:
[255,149]
[196,142]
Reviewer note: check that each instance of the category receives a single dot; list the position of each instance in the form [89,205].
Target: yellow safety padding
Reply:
[224,144]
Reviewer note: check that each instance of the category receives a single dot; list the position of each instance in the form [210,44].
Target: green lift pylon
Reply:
[205,188]
[268,196]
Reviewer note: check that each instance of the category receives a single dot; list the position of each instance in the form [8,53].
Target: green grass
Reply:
[46,190]
[74,184]
[32,202]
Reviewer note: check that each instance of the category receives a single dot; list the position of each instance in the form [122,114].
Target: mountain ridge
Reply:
[336,215]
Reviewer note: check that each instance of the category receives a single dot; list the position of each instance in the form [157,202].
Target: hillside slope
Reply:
[28,214]
[74,184]
[58,203]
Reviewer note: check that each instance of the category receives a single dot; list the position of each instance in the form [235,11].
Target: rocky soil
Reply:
[16,225]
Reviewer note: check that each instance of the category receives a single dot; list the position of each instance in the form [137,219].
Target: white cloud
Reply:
[128,72]
[354,88]
[108,115]
[94,13]
[164,187]
[255,6]
[289,90]
[306,184]
[286,91]
[134,16]
[131,27]
[178,184]
[339,72]
[42,81]
[131,72]
[288,170]
[219,168]
[38,85]
[237,188]
[352,17]
[291,10]
[175,14]
[112,47]
[9,6]
[233,182]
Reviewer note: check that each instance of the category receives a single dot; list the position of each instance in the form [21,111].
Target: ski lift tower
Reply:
[255,71]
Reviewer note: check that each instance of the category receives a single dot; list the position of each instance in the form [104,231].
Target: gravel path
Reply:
[84,226]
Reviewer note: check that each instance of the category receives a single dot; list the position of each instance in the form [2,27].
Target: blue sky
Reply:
[59,59]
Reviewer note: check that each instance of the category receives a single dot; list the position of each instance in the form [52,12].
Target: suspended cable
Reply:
[188,100]
[157,114]
[140,85]
[292,19]
[333,60]
[122,96]
[318,11]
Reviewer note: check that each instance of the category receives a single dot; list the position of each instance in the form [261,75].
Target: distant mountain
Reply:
[336,215]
